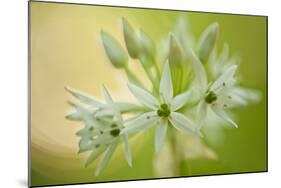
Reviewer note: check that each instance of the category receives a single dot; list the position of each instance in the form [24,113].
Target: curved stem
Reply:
[150,76]
[157,71]
[132,77]
[179,159]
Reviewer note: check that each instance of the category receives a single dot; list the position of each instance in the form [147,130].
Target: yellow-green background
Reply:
[66,50]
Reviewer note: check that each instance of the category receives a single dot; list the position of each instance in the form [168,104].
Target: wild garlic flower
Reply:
[220,94]
[162,111]
[214,95]
[102,129]
[216,66]
[217,96]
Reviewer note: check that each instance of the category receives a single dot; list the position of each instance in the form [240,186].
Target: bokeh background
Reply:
[66,49]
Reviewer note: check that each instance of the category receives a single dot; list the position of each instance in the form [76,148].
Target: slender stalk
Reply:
[157,71]
[177,154]
[150,76]
[174,151]
[131,76]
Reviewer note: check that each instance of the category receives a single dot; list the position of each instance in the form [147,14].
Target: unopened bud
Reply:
[175,54]
[207,42]
[114,51]
[147,45]
[131,39]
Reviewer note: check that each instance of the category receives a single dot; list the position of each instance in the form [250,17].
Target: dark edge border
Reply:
[115,6]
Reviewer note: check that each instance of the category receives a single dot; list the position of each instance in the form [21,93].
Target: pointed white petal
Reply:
[127,107]
[109,111]
[118,117]
[127,150]
[201,75]
[85,114]
[75,116]
[94,155]
[84,98]
[105,139]
[113,106]
[224,55]
[143,96]
[224,79]
[160,134]
[182,123]
[166,85]
[245,95]
[181,100]
[221,113]
[104,112]
[140,123]
[102,164]
[106,95]
[84,145]
[201,114]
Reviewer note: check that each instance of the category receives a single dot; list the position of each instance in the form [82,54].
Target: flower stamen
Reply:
[210,97]
[163,111]
[115,132]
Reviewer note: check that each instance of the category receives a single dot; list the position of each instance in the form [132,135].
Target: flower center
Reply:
[163,111]
[210,97]
[115,131]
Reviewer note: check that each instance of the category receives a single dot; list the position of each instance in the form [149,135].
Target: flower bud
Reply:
[207,42]
[175,54]
[114,51]
[131,39]
[147,46]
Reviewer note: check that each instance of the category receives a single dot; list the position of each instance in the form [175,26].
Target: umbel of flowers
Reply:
[185,76]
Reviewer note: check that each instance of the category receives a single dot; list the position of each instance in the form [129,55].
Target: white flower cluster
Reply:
[184,77]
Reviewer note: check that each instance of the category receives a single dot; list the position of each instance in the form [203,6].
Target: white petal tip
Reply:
[130,163]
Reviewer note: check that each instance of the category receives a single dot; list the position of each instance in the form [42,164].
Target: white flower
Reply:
[161,111]
[241,96]
[221,94]
[102,129]
[218,96]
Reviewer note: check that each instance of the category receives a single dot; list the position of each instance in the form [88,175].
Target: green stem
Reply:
[157,71]
[179,158]
[174,151]
[132,77]
[150,76]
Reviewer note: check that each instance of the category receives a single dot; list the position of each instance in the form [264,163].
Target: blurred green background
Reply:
[66,50]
